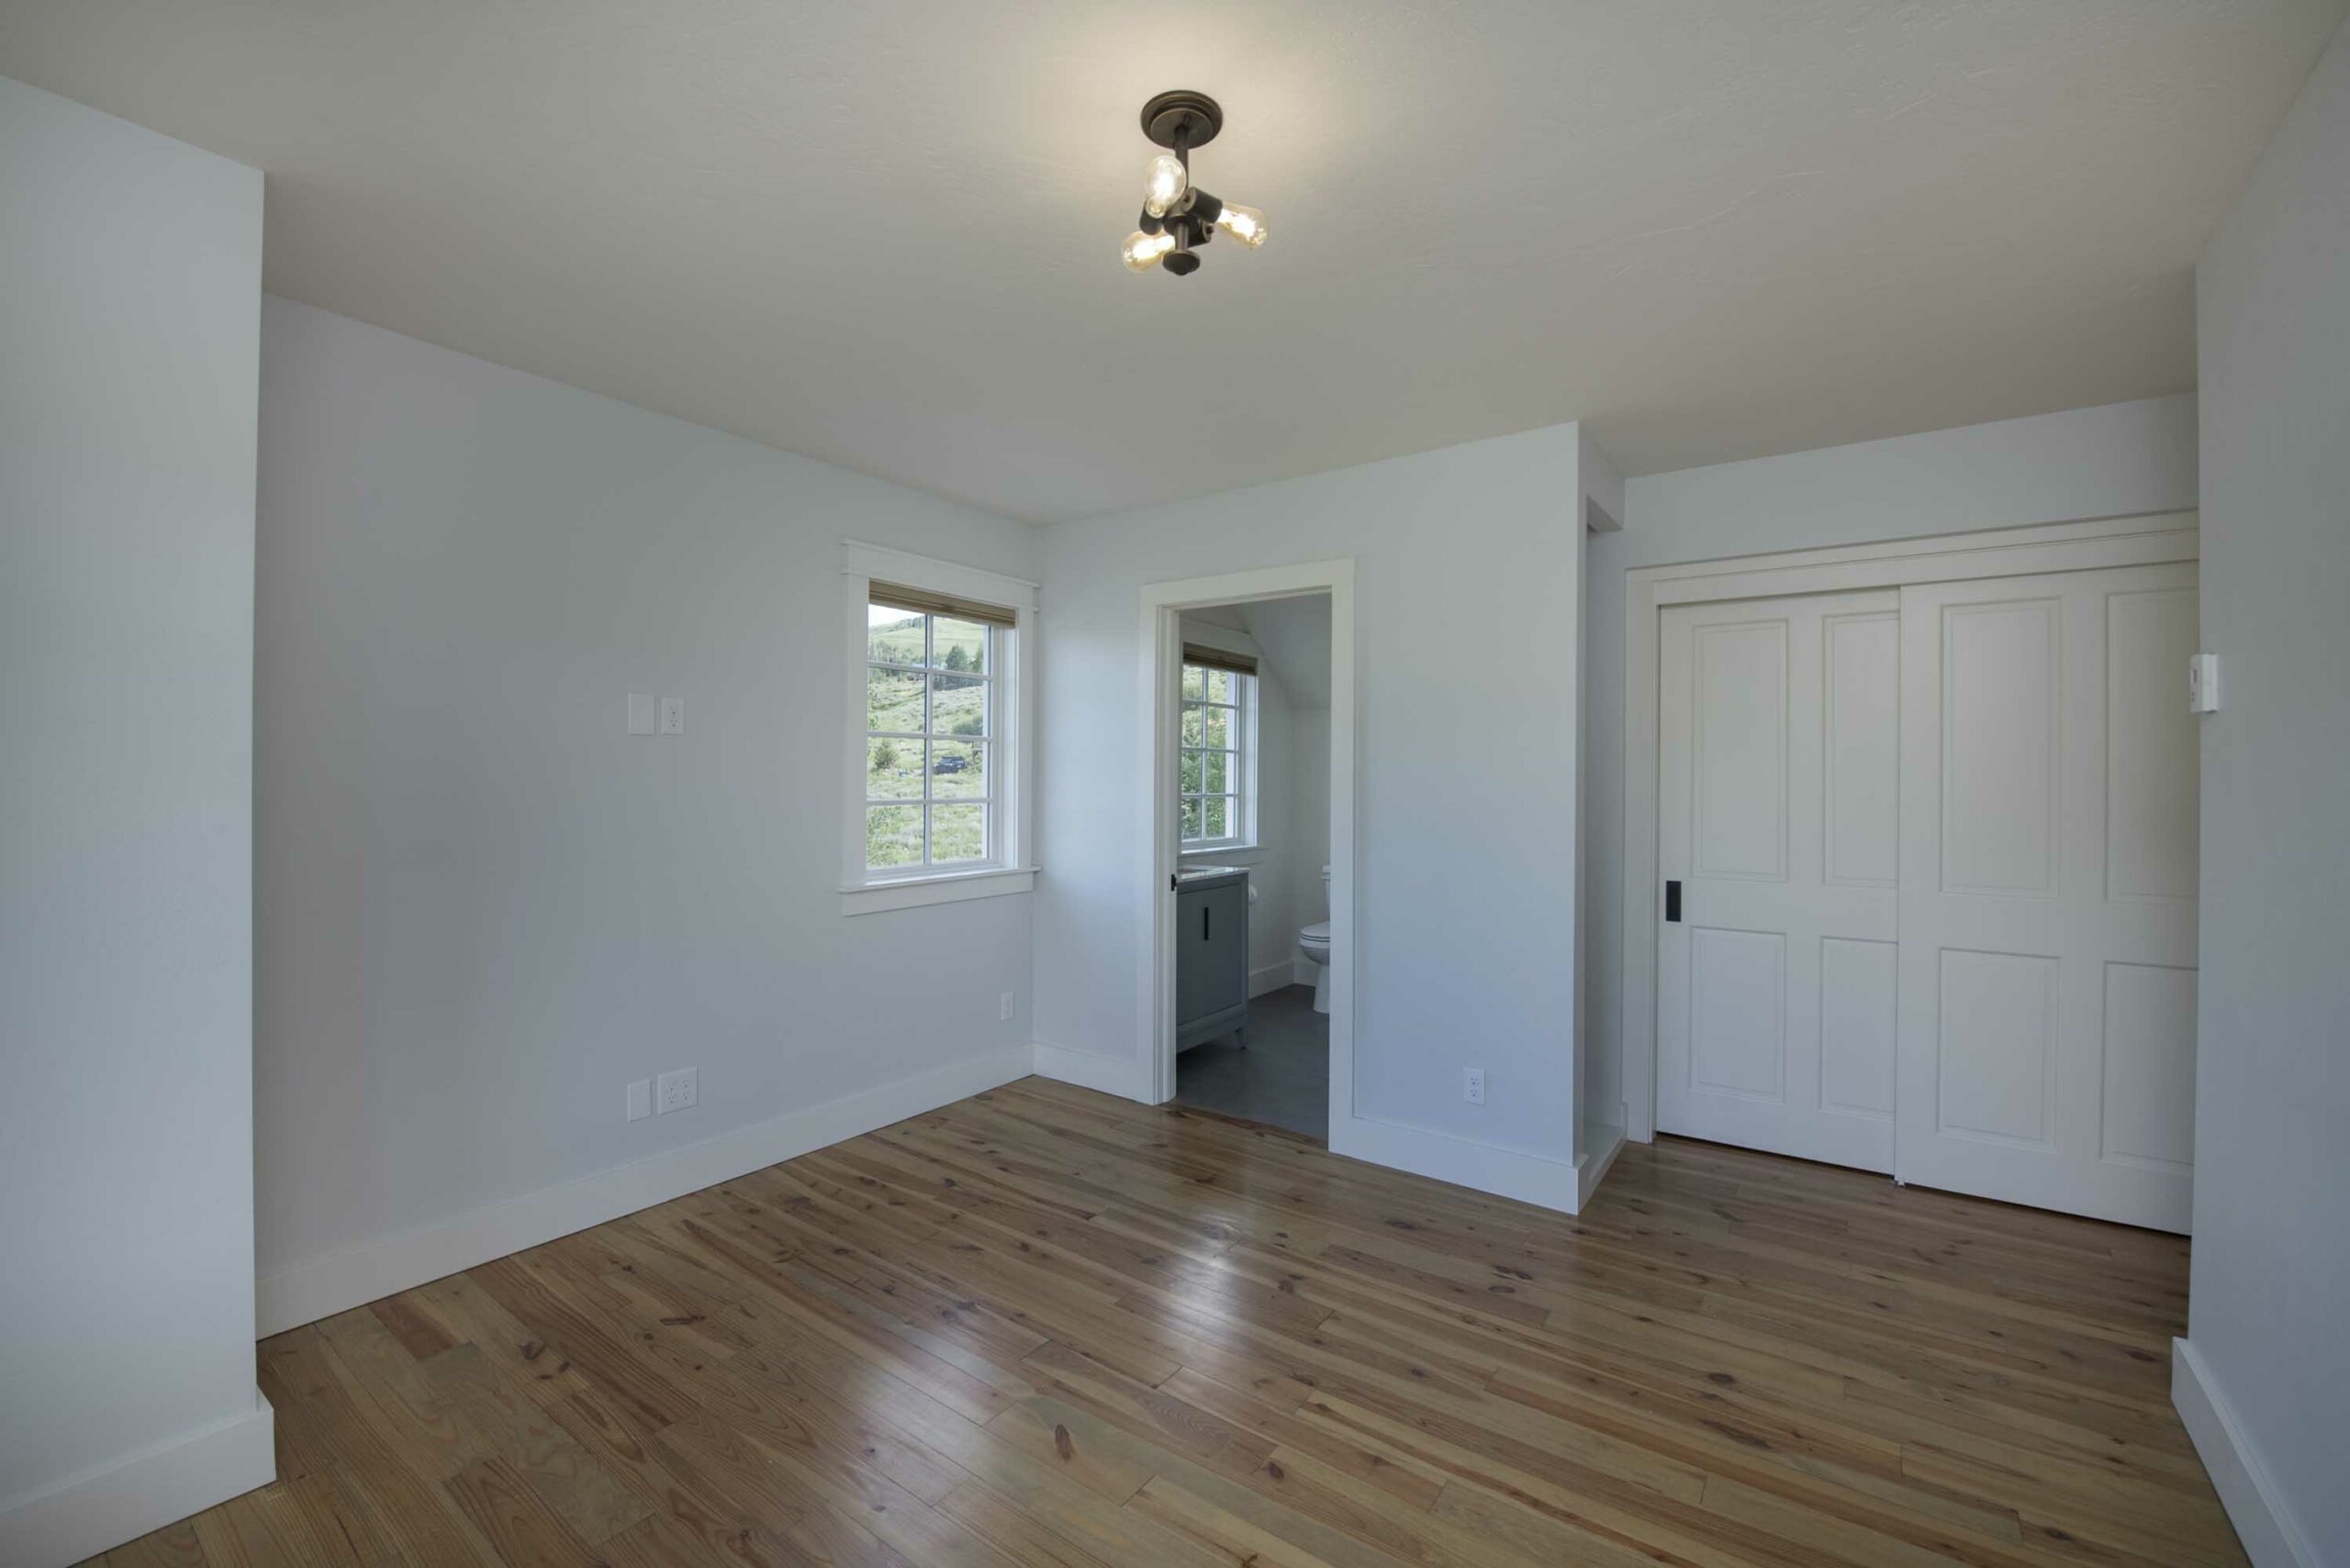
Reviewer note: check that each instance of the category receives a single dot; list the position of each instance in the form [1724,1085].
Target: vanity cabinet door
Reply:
[1211,950]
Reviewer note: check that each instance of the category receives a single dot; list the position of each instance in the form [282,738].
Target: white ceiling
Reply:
[884,233]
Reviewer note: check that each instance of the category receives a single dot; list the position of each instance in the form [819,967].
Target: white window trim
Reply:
[1010,870]
[1244,760]
[1246,840]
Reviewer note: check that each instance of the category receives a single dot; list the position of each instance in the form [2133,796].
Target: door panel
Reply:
[1861,768]
[2047,899]
[1856,1025]
[1778,813]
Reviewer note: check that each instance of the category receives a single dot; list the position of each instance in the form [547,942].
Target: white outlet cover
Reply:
[640,1099]
[676,1090]
[673,716]
[1472,1085]
[1003,1008]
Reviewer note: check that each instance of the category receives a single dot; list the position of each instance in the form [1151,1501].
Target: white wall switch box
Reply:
[640,1100]
[676,1090]
[673,716]
[640,713]
[1472,1085]
[2203,683]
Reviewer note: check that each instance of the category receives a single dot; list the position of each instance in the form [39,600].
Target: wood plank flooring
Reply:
[1044,1325]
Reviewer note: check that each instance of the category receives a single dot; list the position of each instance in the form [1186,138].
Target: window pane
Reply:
[1220,685]
[894,636]
[1191,727]
[892,836]
[959,705]
[959,645]
[1196,681]
[1215,727]
[1215,773]
[958,767]
[1215,817]
[1190,819]
[958,833]
[893,768]
[1187,773]
[892,699]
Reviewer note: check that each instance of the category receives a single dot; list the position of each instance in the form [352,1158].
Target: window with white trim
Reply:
[1216,760]
[933,762]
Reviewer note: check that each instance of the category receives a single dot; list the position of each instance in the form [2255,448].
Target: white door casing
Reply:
[1778,815]
[2048,891]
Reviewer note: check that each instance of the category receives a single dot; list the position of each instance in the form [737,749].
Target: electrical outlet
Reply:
[640,1100]
[1003,1008]
[1472,1085]
[673,716]
[678,1091]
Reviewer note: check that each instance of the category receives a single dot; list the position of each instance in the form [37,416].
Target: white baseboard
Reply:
[1272,977]
[1122,1076]
[2271,1538]
[122,1501]
[1509,1174]
[302,1293]
[1592,1167]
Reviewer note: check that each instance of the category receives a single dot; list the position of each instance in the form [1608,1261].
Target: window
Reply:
[1216,760]
[934,734]
[929,742]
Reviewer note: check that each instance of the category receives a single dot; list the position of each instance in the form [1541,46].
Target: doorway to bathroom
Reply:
[1249,740]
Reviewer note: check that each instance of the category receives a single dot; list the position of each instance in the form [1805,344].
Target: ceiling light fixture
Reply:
[1177,216]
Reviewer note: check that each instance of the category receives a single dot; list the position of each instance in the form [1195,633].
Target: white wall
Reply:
[1296,636]
[2272,1220]
[2120,460]
[1599,1088]
[129,299]
[1466,750]
[483,908]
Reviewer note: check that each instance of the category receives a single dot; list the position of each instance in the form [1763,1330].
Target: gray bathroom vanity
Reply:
[1211,953]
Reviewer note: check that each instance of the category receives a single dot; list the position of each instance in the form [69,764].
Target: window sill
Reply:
[949,887]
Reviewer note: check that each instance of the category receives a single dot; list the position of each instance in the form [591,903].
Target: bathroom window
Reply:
[934,813]
[1218,758]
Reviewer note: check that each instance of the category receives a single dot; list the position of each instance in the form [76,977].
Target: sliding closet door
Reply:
[2048,891]
[1778,787]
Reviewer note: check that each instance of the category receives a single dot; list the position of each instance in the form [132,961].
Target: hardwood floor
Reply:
[1045,1326]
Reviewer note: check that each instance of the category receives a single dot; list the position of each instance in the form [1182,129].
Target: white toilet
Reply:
[1313,946]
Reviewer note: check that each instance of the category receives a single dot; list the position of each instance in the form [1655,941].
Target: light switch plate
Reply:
[640,1099]
[2203,683]
[673,716]
[640,713]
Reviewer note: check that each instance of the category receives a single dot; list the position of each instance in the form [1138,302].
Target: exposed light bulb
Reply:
[1163,184]
[1143,251]
[1244,224]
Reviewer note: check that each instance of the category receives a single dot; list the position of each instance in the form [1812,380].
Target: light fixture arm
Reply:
[1180,121]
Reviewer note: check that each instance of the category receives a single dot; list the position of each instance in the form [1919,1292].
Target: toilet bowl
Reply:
[1313,946]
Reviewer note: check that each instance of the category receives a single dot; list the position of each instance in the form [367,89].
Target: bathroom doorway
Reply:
[1248,986]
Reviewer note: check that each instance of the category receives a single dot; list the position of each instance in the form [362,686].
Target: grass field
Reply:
[945,702]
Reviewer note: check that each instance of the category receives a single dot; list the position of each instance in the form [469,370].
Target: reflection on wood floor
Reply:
[1045,1326]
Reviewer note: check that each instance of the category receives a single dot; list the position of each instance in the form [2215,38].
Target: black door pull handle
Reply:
[1204,912]
[1673,902]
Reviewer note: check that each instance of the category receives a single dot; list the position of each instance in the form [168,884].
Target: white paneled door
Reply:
[1778,819]
[2048,891]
